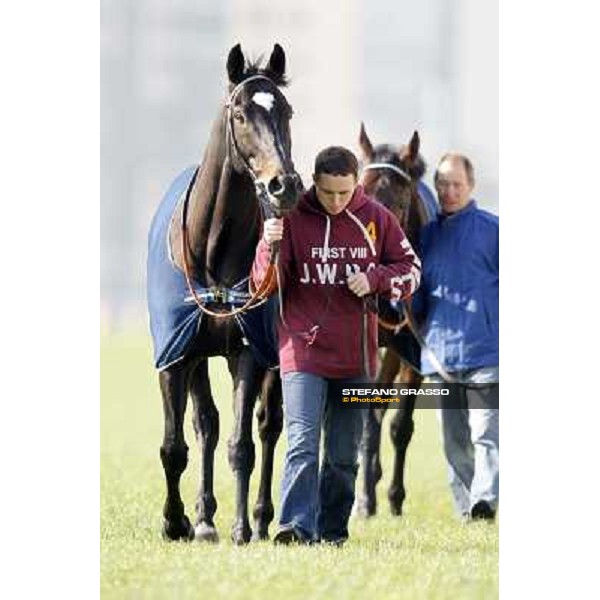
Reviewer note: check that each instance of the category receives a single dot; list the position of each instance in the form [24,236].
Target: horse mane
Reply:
[255,67]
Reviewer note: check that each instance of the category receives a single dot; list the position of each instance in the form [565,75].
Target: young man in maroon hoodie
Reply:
[337,247]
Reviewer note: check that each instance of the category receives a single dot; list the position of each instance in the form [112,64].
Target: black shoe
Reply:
[482,511]
[288,535]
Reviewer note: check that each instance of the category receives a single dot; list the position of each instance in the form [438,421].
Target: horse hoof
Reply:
[173,531]
[241,536]
[396,502]
[396,508]
[365,509]
[206,533]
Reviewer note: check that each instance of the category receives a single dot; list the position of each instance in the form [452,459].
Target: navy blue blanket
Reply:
[175,317]
[429,201]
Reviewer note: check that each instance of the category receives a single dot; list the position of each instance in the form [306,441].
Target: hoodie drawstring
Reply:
[326,240]
[325,252]
[364,231]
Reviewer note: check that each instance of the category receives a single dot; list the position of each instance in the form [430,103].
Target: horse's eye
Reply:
[238,115]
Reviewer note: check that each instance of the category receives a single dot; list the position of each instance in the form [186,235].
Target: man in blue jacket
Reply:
[458,306]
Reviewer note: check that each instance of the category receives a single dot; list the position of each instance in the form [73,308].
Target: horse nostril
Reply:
[277,186]
[298,183]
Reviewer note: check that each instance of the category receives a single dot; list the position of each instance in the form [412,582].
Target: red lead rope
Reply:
[266,287]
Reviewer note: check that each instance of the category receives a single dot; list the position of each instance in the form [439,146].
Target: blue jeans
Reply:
[317,505]
[471,440]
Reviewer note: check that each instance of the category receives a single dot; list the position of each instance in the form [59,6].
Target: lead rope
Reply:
[365,340]
[256,299]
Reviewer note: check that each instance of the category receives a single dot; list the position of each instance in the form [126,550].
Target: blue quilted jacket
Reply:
[458,297]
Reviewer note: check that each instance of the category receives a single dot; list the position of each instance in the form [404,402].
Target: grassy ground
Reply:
[425,554]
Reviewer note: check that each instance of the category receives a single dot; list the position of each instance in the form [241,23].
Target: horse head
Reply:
[258,126]
[390,175]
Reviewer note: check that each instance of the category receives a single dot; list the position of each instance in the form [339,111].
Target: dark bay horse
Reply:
[391,176]
[201,247]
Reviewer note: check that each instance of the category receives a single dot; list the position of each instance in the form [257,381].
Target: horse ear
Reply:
[276,66]
[416,164]
[235,64]
[365,143]
[413,146]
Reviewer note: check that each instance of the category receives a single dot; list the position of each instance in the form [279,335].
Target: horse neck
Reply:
[417,217]
[223,217]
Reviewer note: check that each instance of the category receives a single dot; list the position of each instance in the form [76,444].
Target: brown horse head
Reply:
[258,121]
[390,175]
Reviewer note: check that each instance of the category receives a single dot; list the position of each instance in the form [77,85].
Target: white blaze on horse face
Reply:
[264,99]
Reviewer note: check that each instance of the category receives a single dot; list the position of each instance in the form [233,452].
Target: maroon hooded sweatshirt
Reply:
[321,324]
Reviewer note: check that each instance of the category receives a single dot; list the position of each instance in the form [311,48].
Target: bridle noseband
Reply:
[391,167]
[378,166]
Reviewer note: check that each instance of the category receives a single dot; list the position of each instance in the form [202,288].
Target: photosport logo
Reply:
[427,395]
[387,395]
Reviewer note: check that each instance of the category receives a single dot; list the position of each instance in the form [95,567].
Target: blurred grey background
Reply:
[394,64]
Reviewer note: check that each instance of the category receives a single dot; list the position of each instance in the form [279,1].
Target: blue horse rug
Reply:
[175,318]
[429,202]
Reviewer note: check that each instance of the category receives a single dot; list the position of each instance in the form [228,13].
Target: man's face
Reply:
[334,191]
[453,186]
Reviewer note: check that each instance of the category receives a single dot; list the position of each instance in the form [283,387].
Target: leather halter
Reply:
[391,167]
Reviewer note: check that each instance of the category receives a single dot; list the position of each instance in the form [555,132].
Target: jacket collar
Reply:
[470,207]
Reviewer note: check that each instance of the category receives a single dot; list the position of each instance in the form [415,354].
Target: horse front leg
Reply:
[401,432]
[206,427]
[247,377]
[270,425]
[371,440]
[366,502]
[174,452]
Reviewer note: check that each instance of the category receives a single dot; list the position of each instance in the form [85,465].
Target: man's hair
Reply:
[336,160]
[466,163]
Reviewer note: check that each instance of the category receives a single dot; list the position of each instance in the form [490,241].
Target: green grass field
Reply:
[427,553]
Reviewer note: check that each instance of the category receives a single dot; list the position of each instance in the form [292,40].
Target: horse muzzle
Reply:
[284,191]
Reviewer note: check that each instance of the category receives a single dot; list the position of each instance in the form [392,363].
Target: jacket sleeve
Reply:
[399,271]
[262,259]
